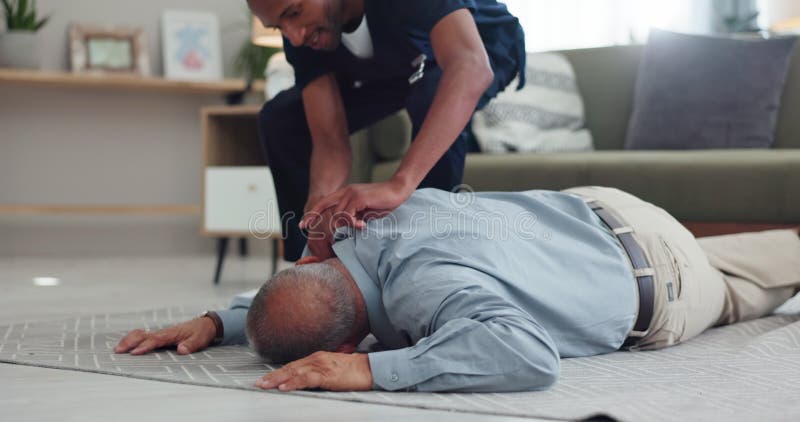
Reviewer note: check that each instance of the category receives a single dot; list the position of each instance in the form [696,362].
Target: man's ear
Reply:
[346,348]
[308,260]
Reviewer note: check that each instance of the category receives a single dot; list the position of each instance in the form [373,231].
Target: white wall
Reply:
[567,24]
[83,146]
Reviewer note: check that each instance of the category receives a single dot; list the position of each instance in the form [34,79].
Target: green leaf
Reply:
[32,15]
[23,9]
[30,21]
[9,11]
[41,23]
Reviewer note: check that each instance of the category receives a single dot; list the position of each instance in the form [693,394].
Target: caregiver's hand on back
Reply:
[190,336]
[355,204]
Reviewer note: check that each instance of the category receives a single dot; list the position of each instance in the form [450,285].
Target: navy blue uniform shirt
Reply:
[400,31]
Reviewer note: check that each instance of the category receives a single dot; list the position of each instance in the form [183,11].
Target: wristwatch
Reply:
[220,330]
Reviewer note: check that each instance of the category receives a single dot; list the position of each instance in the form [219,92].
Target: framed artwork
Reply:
[108,49]
[191,45]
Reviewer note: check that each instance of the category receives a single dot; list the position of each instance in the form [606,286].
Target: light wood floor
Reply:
[98,285]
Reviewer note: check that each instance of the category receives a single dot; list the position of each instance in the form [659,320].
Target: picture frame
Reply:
[105,49]
[191,45]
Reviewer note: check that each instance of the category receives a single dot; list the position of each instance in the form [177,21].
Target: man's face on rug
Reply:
[312,23]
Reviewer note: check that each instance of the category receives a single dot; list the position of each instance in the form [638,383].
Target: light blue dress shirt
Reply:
[484,292]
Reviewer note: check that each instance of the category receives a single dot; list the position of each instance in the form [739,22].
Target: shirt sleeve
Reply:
[234,319]
[484,344]
[423,15]
[308,64]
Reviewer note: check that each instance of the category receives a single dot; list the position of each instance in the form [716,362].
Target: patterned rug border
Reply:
[778,336]
[308,394]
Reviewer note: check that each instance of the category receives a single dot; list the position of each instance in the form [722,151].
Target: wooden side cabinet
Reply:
[238,192]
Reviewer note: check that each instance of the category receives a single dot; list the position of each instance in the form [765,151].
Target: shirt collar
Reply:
[379,324]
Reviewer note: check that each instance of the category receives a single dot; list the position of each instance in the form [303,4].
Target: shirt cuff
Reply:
[391,370]
[233,322]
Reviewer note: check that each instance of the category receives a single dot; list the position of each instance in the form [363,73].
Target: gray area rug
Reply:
[749,371]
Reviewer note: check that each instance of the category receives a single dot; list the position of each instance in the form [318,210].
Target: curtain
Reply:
[566,24]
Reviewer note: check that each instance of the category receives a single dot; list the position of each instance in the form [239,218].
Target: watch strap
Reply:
[220,330]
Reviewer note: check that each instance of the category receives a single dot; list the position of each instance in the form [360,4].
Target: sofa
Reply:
[711,191]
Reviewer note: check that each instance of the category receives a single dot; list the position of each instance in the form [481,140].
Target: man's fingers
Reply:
[186,336]
[310,218]
[302,382]
[276,378]
[314,213]
[290,379]
[166,337]
[130,341]
[337,220]
[342,203]
[146,346]
[355,207]
[189,345]
[307,259]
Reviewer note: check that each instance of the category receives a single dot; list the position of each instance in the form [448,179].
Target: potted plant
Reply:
[19,46]
[251,60]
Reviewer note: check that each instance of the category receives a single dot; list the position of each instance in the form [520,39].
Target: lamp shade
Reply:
[266,37]
[791,26]
[777,11]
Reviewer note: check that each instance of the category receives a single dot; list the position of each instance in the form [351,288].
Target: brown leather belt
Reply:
[639,261]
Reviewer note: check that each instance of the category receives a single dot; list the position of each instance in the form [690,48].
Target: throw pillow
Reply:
[700,92]
[547,115]
[279,75]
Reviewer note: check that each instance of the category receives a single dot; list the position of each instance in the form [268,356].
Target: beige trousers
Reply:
[700,283]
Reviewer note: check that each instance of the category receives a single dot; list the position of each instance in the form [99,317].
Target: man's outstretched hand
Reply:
[325,370]
[190,336]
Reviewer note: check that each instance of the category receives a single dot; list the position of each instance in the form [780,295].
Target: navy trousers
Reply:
[286,139]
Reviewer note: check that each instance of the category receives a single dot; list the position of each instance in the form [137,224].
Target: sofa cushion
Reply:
[699,92]
[715,185]
[391,136]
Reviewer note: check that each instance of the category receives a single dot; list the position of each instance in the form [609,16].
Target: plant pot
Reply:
[20,49]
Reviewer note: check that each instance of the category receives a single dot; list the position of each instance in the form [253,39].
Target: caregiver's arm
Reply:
[331,155]
[466,74]
[480,344]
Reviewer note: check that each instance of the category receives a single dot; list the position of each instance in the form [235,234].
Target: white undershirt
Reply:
[359,42]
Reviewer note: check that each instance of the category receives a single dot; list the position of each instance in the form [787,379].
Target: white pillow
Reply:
[279,75]
[547,115]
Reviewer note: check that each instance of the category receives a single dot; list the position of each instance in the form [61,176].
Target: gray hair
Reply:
[318,316]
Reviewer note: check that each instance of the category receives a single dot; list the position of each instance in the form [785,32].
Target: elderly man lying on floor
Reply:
[486,292]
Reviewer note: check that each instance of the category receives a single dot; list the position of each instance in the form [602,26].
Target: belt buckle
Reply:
[638,334]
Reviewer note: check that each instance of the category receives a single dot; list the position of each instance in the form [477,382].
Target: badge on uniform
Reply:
[419,64]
